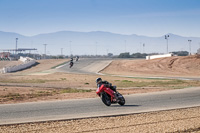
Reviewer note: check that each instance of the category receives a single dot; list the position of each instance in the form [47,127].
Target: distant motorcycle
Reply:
[77,57]
[106,96]
[71,64]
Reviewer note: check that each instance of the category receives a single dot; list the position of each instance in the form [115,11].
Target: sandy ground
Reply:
[181,120]
[9,63]
[28,88]
[43,65]
[176,121]
[176,66]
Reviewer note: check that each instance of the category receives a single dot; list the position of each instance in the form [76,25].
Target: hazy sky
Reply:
[141,17]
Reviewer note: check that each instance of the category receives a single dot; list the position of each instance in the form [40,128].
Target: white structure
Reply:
[28,62]
[158,56]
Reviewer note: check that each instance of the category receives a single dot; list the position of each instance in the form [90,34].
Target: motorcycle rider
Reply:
[108,86]
[71,62]
[106,83]
[77,57]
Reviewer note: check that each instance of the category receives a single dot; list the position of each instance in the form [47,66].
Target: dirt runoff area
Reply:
[27,86]
[171,121]
[177,66]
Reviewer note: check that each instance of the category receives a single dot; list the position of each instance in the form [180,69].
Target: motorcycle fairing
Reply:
[105,89]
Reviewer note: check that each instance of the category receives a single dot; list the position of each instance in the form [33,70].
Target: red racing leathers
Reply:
[105,89]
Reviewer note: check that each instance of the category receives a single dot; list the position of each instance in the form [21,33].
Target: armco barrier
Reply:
[158,56]
[28,62]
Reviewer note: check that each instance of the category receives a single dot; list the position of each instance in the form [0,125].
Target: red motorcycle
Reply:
[109,96]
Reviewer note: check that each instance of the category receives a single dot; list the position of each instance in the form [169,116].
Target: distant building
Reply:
[198,51]
[4,54]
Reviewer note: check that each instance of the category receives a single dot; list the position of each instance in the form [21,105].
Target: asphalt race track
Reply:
[86,66]
[93,107]
[70,109]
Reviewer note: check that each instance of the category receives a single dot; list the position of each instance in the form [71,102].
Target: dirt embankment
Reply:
[187,66]
[43,65]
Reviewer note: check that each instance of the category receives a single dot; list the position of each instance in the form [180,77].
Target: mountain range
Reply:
[97,43]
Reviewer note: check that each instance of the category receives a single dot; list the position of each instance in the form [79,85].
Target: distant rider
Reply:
[77,57]
[71,62]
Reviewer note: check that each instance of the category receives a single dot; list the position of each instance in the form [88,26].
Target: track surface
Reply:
[86,66]
[70,109]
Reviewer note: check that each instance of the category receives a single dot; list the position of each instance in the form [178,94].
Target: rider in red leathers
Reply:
[107,87]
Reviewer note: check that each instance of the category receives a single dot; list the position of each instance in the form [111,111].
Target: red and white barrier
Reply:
[158,56]
[28,62]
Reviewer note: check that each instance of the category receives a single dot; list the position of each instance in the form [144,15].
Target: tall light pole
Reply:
[16,46]
[166,37]
[61,51]
[125,45]
[45,45]
[143,47]
[190,46]
[96,48]
[70,51]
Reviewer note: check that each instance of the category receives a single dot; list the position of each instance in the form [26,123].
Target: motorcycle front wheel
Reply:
[105,99]
[121,99]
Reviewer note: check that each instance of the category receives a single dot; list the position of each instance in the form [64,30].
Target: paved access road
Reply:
[69,109]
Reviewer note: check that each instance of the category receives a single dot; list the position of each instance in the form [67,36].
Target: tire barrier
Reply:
[28,62]
[5,59]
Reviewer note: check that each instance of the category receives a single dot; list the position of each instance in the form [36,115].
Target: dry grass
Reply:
[27,88]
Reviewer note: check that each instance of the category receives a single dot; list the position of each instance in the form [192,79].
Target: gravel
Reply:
[179,120]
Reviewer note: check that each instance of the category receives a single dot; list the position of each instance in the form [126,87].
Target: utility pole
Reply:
[190,46]
[125,45]
[61,51]
[70,51]
[166,37]
[143,47]
[45,50]
[96,48]
[16,47]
